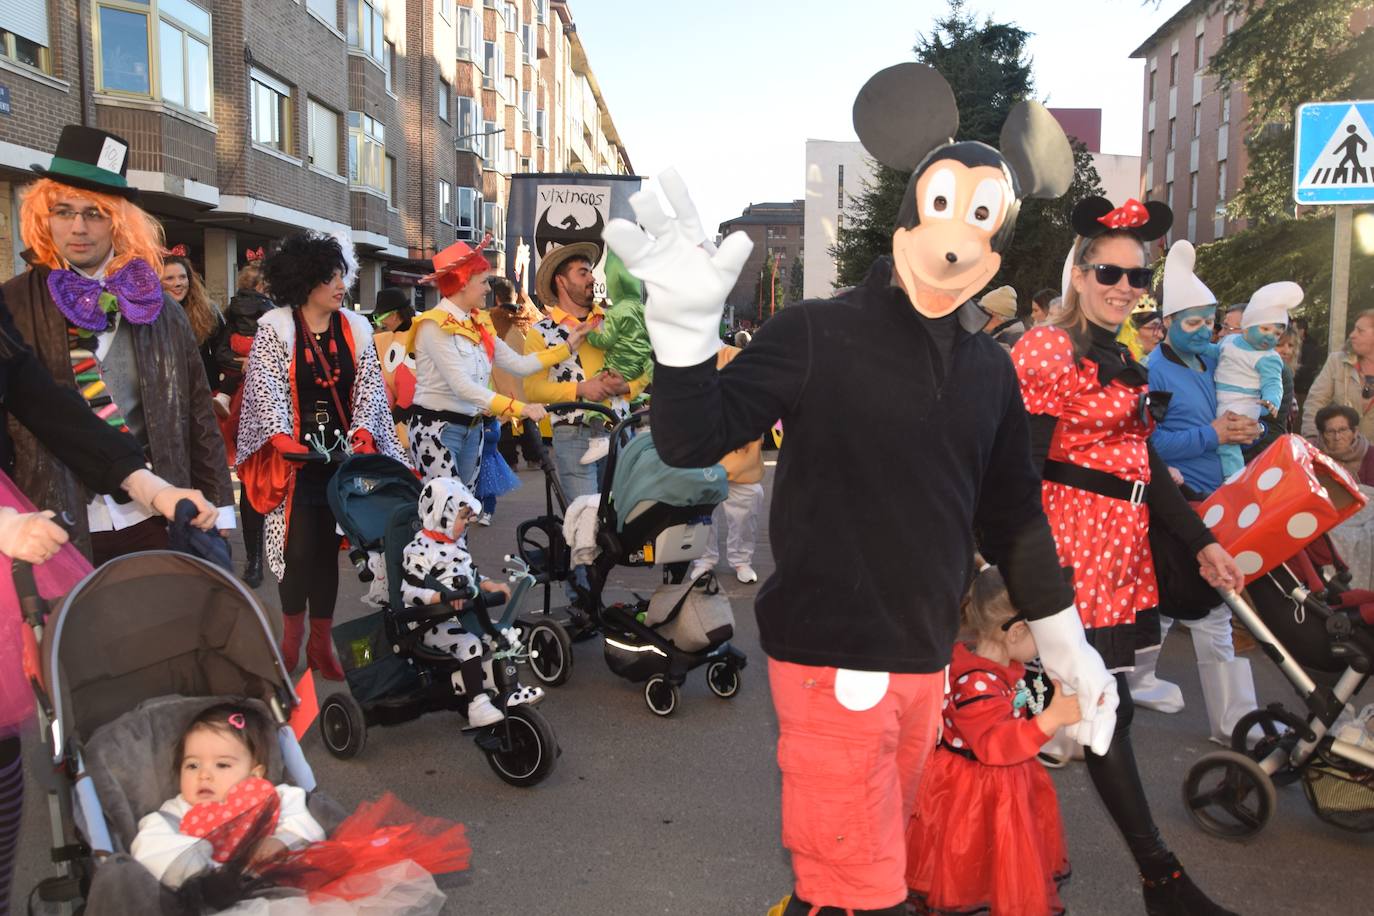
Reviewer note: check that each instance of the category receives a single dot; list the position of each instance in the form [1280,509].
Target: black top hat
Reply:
[92,159]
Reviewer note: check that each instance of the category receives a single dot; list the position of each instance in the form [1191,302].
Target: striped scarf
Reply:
[89,380]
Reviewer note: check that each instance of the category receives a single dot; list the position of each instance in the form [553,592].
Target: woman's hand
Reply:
[1063,710]
[152,492]
[1232,428]
[30,536]
[1176,475]
[535,412]
[1218,568]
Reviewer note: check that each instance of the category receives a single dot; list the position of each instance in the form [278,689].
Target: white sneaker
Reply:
[745,573]
[484,519]
[699,569]
[1357,730]
[597,449]
[482,713]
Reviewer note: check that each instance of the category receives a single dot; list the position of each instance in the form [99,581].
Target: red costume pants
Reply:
[849,778]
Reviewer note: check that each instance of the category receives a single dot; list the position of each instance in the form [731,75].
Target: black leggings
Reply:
[11,814]
[312,562]
[1117,780]
[252,522]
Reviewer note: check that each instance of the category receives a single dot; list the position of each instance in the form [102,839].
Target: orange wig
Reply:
[135,235]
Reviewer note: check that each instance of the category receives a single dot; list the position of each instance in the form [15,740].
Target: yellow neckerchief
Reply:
[561,317]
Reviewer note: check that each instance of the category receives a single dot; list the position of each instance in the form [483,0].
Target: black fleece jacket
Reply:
[890,464]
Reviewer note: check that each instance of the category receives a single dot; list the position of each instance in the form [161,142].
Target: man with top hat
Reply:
[566,286]
[392,311]
[455,350]
[92,308]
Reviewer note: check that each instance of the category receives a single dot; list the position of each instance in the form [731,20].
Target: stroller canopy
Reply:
[640,476]
[364,494]
[152,624]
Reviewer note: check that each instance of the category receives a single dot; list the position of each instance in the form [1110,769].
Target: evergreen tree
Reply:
[794,281]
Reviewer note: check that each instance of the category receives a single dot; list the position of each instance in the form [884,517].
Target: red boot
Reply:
[319,651]
[293,628]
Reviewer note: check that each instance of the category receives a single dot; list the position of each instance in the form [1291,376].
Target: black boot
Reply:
[1170,892]
[799,907]
[252,549]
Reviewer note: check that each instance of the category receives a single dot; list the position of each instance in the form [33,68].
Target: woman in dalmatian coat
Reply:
[312,383]
[439,552]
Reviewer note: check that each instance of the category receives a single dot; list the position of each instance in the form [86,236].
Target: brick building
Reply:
[775,229]
[398,122]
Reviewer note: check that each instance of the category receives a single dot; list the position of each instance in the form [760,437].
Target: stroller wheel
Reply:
[343,726]
[522,749]
[1281,732]
[550,648]
[1229,795]
[723,679]
[660,695]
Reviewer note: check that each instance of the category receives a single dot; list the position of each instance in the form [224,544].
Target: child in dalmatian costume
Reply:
[439,549]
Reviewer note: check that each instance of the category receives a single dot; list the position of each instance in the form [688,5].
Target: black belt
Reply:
[1134,492]
[961,751]
[443,416]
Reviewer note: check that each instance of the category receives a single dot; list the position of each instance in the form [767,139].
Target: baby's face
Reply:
[1263,336]
[460,524]
[213,763]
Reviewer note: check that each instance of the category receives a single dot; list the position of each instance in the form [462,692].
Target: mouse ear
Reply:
[1039,153]
[904,112]
[1160,222]
[1087,214]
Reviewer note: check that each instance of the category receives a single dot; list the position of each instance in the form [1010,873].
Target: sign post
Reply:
[1333,165]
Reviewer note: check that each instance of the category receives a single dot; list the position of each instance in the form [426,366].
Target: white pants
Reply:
[741,508]
[1211,634]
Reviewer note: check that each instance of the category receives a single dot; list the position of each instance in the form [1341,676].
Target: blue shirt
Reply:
[1186,439]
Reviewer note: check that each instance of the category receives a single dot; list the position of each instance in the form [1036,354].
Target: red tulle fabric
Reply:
[18,651]
[379,834]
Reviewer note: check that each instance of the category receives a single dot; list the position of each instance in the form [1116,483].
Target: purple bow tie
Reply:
[136,289]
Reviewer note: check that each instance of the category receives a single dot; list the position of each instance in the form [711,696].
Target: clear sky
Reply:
[728,91]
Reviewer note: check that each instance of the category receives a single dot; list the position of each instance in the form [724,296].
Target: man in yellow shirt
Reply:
[566,287]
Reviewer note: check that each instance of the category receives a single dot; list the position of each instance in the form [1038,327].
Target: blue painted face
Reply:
[1190,331]
[1263,336]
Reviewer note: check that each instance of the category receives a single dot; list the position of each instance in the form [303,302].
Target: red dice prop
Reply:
[1281,502]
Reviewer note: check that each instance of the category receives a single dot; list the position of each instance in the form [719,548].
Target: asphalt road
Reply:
[680,816]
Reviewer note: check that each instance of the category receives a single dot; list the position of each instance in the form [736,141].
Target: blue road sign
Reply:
[1333,157]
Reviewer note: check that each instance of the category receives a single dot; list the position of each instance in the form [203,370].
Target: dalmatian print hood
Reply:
[439,503]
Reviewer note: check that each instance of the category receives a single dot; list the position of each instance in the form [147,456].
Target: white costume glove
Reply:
[686,286]
[1067,657]
[157,495]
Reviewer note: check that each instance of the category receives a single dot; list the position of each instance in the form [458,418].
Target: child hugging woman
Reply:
[986,836]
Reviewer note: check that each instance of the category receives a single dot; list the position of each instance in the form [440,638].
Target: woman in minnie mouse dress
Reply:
[1091,418]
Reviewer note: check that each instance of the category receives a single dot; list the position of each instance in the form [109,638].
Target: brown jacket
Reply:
[745,464]
[184,441]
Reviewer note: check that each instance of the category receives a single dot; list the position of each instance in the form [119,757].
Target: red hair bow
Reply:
[1127,216]
[177,251]
[254,254]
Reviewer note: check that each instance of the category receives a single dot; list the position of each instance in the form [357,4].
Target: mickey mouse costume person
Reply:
[859,618]
[1091,417]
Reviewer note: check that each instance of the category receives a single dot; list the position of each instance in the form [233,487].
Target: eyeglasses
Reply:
[1110,275]
[1330,433]
[91,215]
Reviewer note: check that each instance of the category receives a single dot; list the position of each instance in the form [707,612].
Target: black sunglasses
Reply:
[1110,275]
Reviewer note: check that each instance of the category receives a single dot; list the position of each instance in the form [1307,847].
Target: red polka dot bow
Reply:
[1127,216]
[227,824]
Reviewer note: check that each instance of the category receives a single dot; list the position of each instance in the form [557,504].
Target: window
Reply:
[325,9]
[490,145]
[512,18]
[271,110]
[465,44]
[324,138]
[1171,133]
[541,120]
[24,34]
[445,202]
[443,101]
[526,102]
[1226,109]
[446,10]
[365,27]
[524,163]
[367,164]
[512,93]
[1198,51]
[489,58]
[1173,69]
[839,221]
[1149,143]
[126,45]
[1192,190]
[469,208]
[123,51]
[839,194]
[1197,120]
[493,221]
[391,180]
[1230,23]
[1169,194]
[392,64]
[184,54]
[541,11]
[526,42]
[468,127]
[1153,74]
[1221,181]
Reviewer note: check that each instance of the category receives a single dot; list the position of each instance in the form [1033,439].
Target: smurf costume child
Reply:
[1249,371]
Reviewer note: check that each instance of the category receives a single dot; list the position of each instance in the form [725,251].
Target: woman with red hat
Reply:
[455,350]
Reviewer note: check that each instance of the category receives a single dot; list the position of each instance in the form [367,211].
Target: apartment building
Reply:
[396,122]
[836,173]
[776,229]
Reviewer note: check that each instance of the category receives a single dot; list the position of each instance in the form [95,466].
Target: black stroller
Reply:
[649,515]
[392,676]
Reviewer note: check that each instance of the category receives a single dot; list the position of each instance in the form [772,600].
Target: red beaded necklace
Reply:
[325,369]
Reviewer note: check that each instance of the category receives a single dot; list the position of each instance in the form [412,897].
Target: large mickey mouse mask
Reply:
[961,204]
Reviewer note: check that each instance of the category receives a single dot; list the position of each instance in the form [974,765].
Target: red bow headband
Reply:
[1094,216]
[254,254]
[1127,216]
[177,251]
[456,265]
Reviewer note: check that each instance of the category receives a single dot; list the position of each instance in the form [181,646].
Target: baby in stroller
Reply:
[437,559]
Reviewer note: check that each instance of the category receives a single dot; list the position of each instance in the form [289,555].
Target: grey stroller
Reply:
[136,650]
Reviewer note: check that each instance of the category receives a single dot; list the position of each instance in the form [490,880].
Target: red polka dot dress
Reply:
[1104,539]
[986,836]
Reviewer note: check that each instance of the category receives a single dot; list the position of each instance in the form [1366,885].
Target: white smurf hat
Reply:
[1182,288]
[1270,304]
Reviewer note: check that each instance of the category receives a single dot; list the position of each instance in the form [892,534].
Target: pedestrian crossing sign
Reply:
[1333,159]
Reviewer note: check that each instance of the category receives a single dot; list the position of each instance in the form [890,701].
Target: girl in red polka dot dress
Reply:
[1091,418]
[986,836]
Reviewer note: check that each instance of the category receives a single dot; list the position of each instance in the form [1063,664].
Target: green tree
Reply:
[764,302]
[794,281]
[1285,53]
[988,70]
